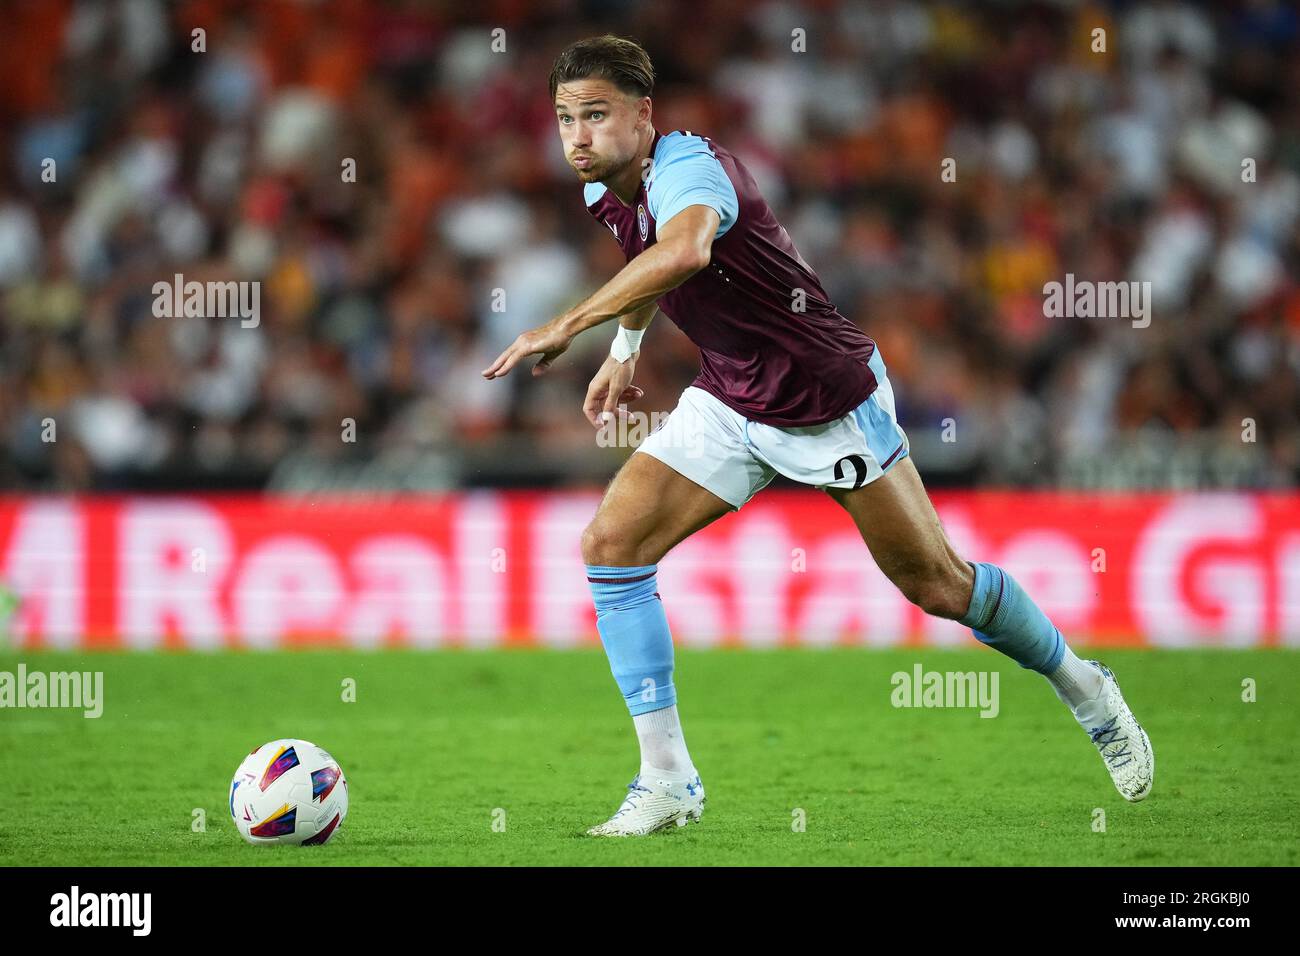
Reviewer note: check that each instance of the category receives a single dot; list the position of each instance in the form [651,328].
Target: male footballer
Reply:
[800,392]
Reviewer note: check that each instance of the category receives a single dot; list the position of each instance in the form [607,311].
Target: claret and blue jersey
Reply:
[772,346]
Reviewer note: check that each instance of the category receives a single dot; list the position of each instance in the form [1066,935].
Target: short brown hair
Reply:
[623,62]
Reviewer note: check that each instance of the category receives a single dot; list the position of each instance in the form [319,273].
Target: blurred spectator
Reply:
[397,188]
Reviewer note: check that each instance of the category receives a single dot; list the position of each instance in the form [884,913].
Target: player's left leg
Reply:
[897,521]
[862,461]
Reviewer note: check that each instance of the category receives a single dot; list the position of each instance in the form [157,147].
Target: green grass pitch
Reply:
[435,743]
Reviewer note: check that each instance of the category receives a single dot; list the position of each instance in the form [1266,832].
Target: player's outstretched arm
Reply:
[683,248]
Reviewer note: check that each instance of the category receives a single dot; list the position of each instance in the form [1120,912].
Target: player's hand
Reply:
[612,386]
[549,341]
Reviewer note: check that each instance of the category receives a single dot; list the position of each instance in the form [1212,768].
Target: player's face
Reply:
[599,127]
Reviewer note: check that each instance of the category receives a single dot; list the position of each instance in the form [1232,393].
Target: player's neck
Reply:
[626,184]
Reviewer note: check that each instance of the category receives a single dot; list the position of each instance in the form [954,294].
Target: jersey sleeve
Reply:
[591,193]
[688,174]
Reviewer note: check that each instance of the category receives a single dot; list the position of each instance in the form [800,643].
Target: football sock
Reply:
[1004,617]
[1075,681]
[634,630]
[663,748]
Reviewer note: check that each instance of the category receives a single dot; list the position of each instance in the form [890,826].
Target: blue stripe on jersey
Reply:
[686,173]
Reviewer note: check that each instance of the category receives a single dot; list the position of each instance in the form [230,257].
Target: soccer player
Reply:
[787,384]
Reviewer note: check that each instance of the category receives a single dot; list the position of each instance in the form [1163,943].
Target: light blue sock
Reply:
[634,630]
[1004,617]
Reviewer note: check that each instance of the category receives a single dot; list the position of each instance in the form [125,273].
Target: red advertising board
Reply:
[490,569]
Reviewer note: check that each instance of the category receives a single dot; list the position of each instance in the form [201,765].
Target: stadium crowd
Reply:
[390,173]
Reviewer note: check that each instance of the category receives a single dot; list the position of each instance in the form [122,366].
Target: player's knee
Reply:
[608,546]
[936,590]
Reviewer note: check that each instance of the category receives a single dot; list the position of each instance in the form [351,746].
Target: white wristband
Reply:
[626,342]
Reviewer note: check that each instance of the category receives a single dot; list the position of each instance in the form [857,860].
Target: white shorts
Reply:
[721,450]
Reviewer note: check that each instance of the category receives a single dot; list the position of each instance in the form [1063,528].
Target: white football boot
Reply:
[1119,738]
[653,805]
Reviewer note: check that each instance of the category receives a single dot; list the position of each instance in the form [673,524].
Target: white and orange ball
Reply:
[288,791]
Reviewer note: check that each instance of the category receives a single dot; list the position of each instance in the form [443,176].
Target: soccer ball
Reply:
[288,791]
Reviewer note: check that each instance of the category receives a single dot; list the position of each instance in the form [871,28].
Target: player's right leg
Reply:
[683,477]
[647,509]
